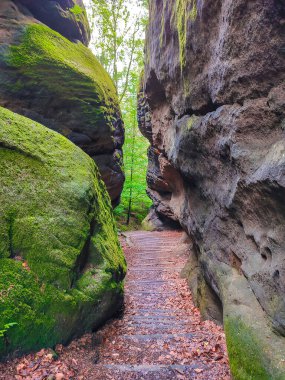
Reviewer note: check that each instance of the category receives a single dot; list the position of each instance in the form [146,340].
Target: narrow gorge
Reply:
[196,291]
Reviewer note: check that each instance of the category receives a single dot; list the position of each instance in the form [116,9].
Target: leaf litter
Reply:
[160,334]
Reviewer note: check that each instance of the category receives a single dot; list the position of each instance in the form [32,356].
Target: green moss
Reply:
[190,122]
[185,11]
[42,46]
[147,226]
[247,361]
[21,300]
[162,23]
[59,253]
[76,10]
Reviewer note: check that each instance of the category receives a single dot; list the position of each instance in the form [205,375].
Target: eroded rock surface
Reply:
[61,264]
[212,105]
[59,83]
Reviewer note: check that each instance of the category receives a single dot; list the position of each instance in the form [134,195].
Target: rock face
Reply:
[212,104]
[61,263]
[59,83]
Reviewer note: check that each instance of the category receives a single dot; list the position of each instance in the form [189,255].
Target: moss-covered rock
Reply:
[68,17]
[61,85]
[247,359]
[60,261]
[46,65]
[255,350]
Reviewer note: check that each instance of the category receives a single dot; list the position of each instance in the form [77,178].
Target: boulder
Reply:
[61,85]
[61,264]
[68,17]
[212,103]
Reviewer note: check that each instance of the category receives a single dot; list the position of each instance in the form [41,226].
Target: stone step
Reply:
[145,367]
[152,372]
[157,259]
[148,281]
[153,293]
[155,312]
[152,286]
[151,304]
[156,264]
[155,252]
[155,337]
[156,326]
[151,268]
[173,317]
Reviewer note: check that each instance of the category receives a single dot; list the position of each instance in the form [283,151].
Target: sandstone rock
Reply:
[68,17]
[155,222]
[60,84]
[212,104]
[61,263]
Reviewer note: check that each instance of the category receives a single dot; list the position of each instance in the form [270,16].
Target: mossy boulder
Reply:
[61,263]
[61,85]
[68,17]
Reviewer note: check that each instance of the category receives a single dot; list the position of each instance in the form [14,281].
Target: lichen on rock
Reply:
[60,260]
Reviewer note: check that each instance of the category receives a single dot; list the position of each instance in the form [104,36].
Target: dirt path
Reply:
[160,335]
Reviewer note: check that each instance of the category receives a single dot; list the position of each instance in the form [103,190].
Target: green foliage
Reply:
[59,252]
[135,163]
[7,326]
[118,27]
[119,43]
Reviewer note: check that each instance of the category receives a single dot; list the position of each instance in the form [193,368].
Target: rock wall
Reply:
[61,264]
[212,104]
[59,83]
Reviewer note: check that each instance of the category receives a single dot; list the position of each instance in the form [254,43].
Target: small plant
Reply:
[76,10]
[3,332]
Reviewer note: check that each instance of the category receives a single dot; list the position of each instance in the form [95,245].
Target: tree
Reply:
[119,38]
[118,42]
[135,203]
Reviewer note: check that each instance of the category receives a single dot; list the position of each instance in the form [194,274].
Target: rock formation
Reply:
[67,17]
[212,104]
[53,80]
[61,263]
